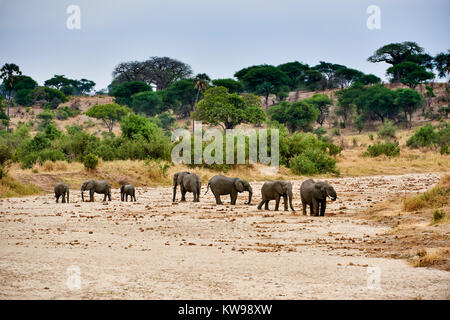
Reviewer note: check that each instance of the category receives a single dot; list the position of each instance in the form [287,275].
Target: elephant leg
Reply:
[233,197]
[183,193]
[126,197]
[315,206]
[266,206]
[285,203]
[63,198]
[217,196]
[260,204]
[104,197]
[277,202]
[323,207]
[67,196]
[304,207]
[57,198]
[91,195]
[134,196]
[196,196]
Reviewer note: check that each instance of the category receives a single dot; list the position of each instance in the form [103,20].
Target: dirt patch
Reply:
[153,249]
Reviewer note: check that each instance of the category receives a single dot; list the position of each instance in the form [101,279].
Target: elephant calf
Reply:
[189,182]
[221,185]
[127,190]
[315,195]
[96,186]
[273,190]
[62,190]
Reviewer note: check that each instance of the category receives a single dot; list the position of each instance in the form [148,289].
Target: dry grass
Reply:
[12,188]
[437,197]
[428,258]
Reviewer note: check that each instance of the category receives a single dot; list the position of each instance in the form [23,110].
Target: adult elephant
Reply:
[96,186]
[62,190]
[189,182]
[221,185]
[274,190]
[315,195]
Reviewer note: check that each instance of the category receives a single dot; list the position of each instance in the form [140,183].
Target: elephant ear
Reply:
[239,186]
[322,188]
[279,188]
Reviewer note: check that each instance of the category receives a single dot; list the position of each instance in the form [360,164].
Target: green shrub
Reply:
[90,161]
[438,215]
[428,137]
[389,149]
[387,130]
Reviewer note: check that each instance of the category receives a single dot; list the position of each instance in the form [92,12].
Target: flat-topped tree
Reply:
[108,113]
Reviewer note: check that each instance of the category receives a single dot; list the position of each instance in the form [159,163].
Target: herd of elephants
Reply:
[312,193]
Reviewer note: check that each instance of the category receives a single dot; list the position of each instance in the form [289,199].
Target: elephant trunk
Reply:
[290,200]
[250,193]
[82,195]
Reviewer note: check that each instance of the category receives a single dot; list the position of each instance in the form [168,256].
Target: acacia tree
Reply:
[296,116]
[408,100]
[322,102]
[108,113]
[9,73]
[442,63]
[409,73]
[219,107]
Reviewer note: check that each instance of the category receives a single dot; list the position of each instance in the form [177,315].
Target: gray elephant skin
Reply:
[315,195]
[96,186]
[189,182]
[127,190]
[221,185]
[274,190]
[62,190]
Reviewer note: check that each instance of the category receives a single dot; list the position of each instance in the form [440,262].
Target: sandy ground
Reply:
[153,249]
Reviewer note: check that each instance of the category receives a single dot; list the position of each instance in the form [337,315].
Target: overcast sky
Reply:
[217,37]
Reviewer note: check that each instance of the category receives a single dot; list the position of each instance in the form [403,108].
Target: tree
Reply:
[219,107]
[46,97]
[123,92]
[368,79]
[346,106]
[162,71]
[265,80]
[408,100]
[148,102]
[377,100]
[345,77]
[108,113]
[295,71]
[180,96]
[313,80]
[328,70]
[9,73]
[296,116]
[130,71]
[3,116]
[395,53]
[24,83]
[409,73]
[232,85]
[442,63]
[322,102]
[57,82]
[201,81]
[241,73]
[83,86]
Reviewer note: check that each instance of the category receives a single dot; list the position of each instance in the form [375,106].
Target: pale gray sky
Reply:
[217,37]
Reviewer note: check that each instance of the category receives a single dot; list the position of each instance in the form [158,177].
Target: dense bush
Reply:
[429,137]
[387,130]
[389,149]
[90,161]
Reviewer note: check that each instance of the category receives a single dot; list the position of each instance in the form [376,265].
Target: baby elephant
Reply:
[62,189]
[315,194]
[127,190]
[189,182]
[273,190]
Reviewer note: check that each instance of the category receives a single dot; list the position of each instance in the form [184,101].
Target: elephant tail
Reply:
[207,188]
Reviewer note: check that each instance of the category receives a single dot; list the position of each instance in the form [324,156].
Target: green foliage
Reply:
[125,91]
[47,117]
[44,96]
[265,80]
[428,137]
[232,85]
[180,96]
[387,130]
[409,73]
[166,119]
[438,215]
[360,123]
[304,153]
[108,113]
[90,161]
[296,116]
[389,149]
[408,100]
[322,102]
[65,112]
[148,102]
[295,71]
[218,107]
[6,156]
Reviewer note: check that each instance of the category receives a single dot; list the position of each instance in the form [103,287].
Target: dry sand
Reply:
[153,249]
